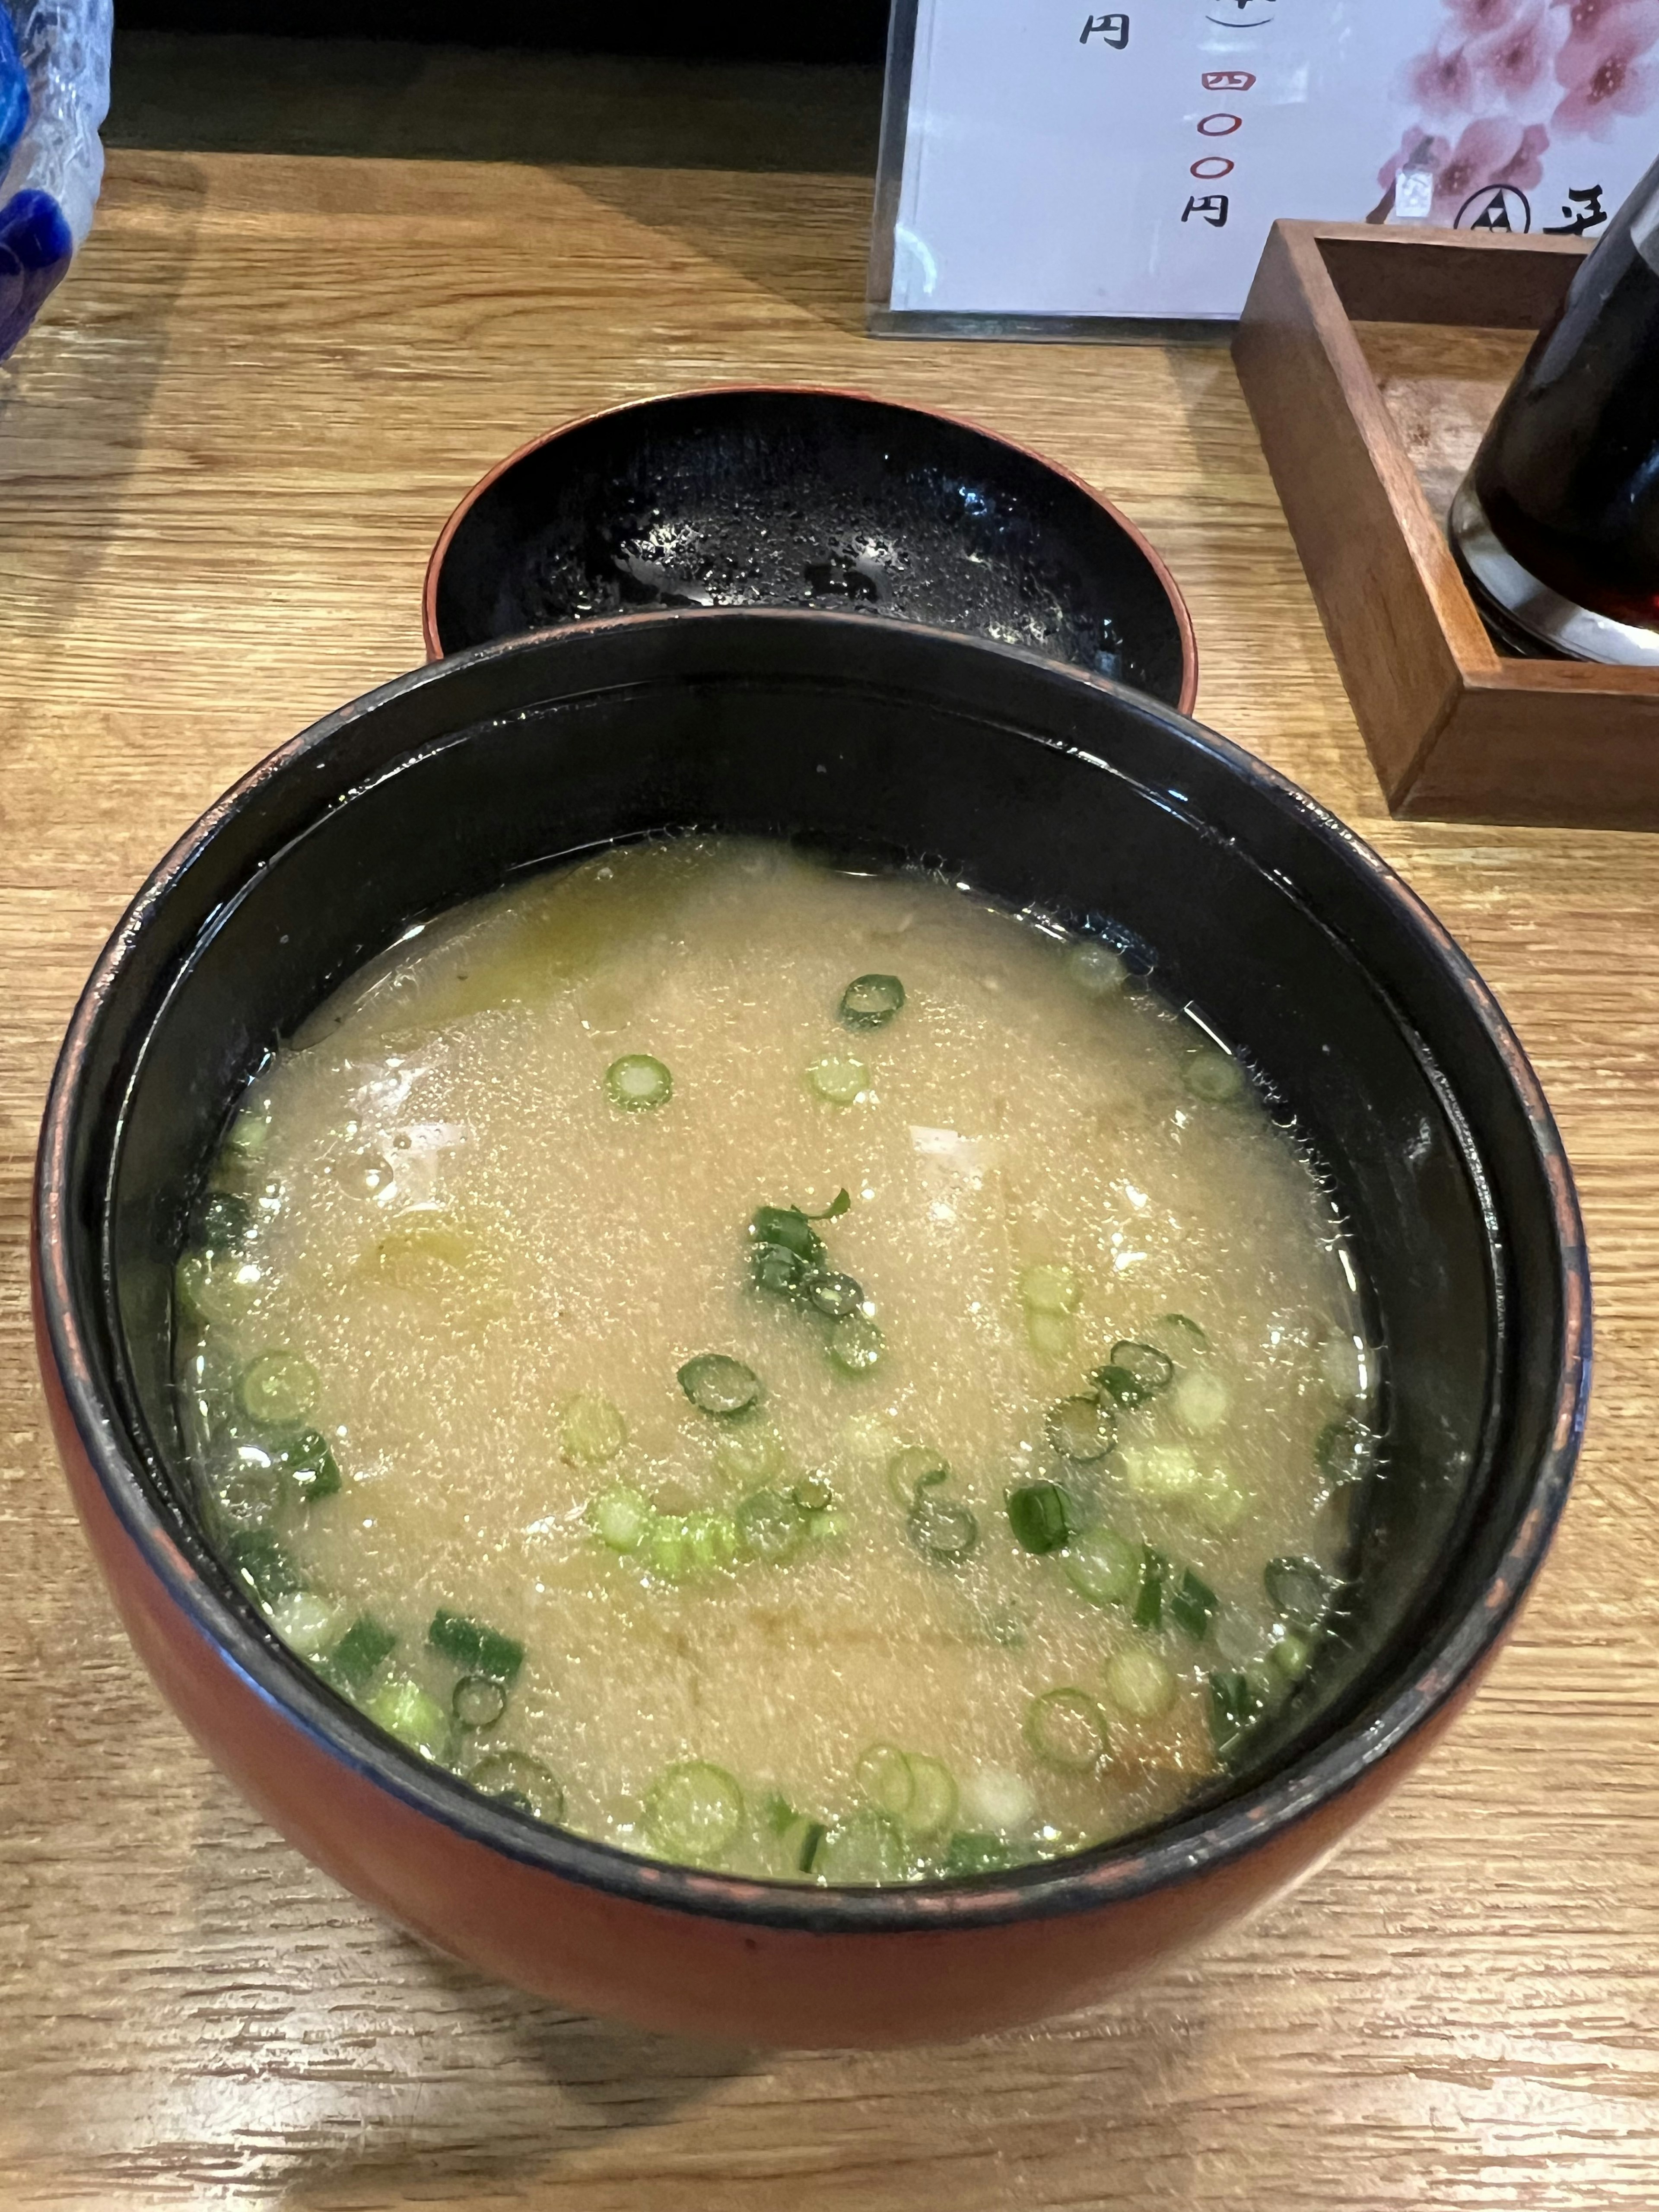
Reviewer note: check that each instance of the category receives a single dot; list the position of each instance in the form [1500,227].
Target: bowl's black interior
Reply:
[1039,787]
[807,498]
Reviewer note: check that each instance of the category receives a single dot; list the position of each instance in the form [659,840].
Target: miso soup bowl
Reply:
[1039,785]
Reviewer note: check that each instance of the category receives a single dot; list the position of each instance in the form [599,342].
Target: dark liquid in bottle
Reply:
[1568,472]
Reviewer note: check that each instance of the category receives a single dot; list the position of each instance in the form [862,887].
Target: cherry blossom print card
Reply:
[1047,165]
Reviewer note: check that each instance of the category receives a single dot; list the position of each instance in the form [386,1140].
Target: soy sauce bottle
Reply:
[1556,526]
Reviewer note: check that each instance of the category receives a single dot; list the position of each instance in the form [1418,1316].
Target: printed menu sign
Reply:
[1046,158]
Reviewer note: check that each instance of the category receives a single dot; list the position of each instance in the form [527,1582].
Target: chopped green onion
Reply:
[1185,1327]
[716,1384]
[621,1518]
[777,1815]
[694,1812]
[1165,1472]
[1042,1516]
[359,1653]
[941,1532]
[518,1780]
[307,1623]
[1192,1605]
[971,1853]
[862,1851]
[311,1465]
[1082,1428]
[1345,1449]
[1235,1705]
[1134,1373]
[1299,1590]
[225,1221]
[1218,1502]
[1201,1401]
[884,1776]
[1067,1730]
[814,1494]
[278,1389]
[713,1538]
[591,1430]
[1052,1336]
[248,1489]
[478,1701]
[1214,1076]
[1049,1290]
[833,1296]
[251,1131]
[215,1288]
[1102,1566]
[840,1204]
[1149,1598]
[1096,968]
[748,1452]
[1138,1683]
[771,1526]
[264,1566]
[777,1269]
[933,1797]
[855,1344]
[996,1797]
[805,1843]
[406,1710]
[666,1549]
[636,1083]
[915,1468]
[469,1643]
[1293,1654]
[788,1226]
[869,1002]
[840,1082]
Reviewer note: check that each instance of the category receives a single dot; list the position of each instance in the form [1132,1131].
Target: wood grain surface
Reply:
[224,456]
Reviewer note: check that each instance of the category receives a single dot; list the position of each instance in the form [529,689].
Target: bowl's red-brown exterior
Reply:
[1148,551]
[689,1973]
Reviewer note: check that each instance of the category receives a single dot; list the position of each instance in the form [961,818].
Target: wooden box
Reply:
[1372,360]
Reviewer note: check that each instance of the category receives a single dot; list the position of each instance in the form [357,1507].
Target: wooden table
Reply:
[222,459]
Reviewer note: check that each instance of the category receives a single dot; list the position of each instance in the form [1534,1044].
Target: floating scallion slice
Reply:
[637,1082]
[884,1776]
[1235,1705]
[1138,1683]
[1067,1730]
[788,1226]
[591,1430]
[1191,1604]
[1214,1076]
[359,1654]
[470,1645]
[264,1566]
[1097,969]
[1149,1597]
[308,1623]
[1042,1516]
[407,1711]
[224,1222]
[1345,1449]
[1082,1428]
[856,1344]
[217,1288]
[250,1132]
[934,1797]
[804,1844]
[869,1002]
[972,1852]
[862,1851]
[478,1701]
[1299,1590]
[771,1526]
[1049,1290]
[516,1779]
[814,1494]
[1134,1373]
[278,1389]
[777,1269]
[1102,1566]
[1293,1654]
[914,1468]
[749,1452]
[942,1532]
[717,1384]
[309,1463]
[621,1518]
[694,1812]
[833,1296]
[840,1082]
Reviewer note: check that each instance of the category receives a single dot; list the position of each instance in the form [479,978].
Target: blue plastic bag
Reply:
[54,92]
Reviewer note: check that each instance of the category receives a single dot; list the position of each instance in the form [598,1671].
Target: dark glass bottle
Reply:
[1556,525]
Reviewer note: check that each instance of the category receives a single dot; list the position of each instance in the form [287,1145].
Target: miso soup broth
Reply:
[798,1373]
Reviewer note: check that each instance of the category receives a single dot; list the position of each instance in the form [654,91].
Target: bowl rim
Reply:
[1149,552]
[1201,1842]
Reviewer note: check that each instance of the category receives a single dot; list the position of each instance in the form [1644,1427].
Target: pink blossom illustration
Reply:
[1605,66]
[1496,149]
[1441,82]
[1512,64]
